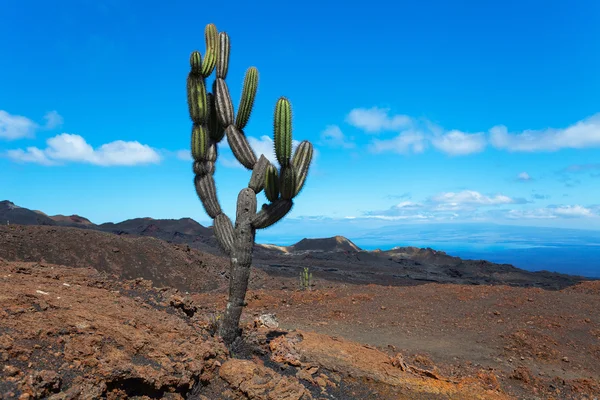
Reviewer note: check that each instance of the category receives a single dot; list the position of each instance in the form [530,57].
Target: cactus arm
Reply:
[271,183]
[223,55]
[271,213]
[301,163]
[282,127]
[212,50]
[240,147]
[257,180]
[206,190]
[215,128]
[247,99]
[224,233]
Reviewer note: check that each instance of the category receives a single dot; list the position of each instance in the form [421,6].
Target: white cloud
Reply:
[73,148]
[573,211]
[53,120]
[458,143]
[406,142]
[408,205]
[551,212]
[583,134]
[334,137]
[14,127]
[467,199]
[230,162]
[524,176]
[184,155]
[376,119]
[416,134]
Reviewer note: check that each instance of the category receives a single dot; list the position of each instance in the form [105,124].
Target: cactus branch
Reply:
[212,50]
[247,99]
[271,213]
[223,102]
[240,147]
[301,163]
[283,131]
[205,188]
[223,59]
[257,180]
[224,233]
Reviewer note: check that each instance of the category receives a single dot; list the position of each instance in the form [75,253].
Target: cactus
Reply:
[214,117]
[305,279]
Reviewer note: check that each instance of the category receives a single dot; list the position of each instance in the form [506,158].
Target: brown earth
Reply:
[68,331]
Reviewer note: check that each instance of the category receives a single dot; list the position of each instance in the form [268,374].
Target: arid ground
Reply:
[87,314]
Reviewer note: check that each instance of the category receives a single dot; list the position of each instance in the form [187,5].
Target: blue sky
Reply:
[420,112]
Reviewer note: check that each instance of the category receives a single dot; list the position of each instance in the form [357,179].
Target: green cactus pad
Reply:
[287,182]
[196,62]
[271,183]
[283,131]
[247,100]
[197,100]
[223,58]
[200,142]
[301,163]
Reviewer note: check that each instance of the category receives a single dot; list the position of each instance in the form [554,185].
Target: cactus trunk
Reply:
[241,260]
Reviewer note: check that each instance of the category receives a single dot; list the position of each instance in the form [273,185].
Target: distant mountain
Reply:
[183,230]
[334,258]
[72,220]
[144,226]
[336,243]
[13,214]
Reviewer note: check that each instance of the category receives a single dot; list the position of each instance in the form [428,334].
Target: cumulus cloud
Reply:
[415,134]
[524,177]
[583,134]
[334,137]
[404,143]
[53,120]
[73,148]
[443,206]
[14,127]
[468,198]
[552,212]
[457,143]
[184,155]
[474,206]
[230,162]
[374,120]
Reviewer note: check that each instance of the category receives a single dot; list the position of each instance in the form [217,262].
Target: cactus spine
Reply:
[213,117]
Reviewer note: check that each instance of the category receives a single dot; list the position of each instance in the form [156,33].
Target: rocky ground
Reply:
[126,328]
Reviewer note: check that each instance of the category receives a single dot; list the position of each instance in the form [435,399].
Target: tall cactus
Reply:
[213,117]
